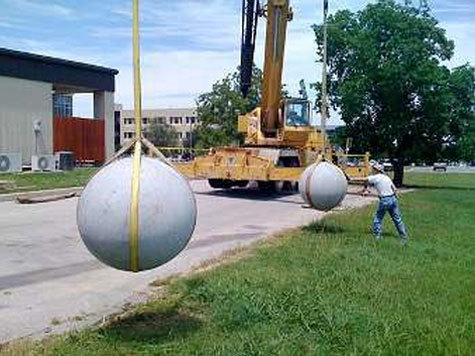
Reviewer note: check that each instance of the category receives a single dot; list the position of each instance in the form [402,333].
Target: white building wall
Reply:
[104,109]
[21,103]
[127,126]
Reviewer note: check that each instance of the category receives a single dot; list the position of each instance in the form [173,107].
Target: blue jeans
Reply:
[389,204]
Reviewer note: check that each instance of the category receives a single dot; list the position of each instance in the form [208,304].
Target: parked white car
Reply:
[440,166]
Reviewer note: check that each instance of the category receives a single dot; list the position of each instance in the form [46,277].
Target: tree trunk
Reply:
[398,166]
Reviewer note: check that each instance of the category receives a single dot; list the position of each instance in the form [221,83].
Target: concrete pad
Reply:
[49,282]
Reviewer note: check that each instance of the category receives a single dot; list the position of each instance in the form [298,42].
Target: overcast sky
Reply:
[186,44]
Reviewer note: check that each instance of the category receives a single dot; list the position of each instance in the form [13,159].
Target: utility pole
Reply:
[324,109]
[191,136]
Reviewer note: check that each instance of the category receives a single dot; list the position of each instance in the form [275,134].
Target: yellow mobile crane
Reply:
[279,139]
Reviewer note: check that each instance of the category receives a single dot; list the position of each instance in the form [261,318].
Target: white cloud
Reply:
[49,8]
[174,78]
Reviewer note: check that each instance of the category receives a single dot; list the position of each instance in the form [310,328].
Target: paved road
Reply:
[50,283]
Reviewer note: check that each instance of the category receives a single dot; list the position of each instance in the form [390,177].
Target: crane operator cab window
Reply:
[298,114]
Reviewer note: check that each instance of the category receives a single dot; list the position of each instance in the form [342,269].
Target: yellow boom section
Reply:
[278,14]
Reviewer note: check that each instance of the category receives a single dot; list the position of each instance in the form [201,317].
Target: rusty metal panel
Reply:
[84,137]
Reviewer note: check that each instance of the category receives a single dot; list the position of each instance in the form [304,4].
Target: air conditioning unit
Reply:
[42,163]
[10,162]
[64,161]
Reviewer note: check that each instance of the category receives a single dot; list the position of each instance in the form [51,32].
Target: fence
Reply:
[84,137]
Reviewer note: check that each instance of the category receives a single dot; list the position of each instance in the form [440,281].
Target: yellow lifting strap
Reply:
[134,205]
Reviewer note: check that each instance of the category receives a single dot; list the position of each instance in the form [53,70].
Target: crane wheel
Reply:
[266,186]
[227,183]
[218,184]
[241,183]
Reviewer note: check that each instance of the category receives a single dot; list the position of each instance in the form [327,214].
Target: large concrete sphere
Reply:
[167,214]
[323,186]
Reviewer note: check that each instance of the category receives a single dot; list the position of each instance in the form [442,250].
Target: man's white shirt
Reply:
[383,184]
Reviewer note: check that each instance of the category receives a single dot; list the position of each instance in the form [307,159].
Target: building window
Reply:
[128,135]
[129,121]
[62,105]
[160,119]
[176,120]
[145,120]
[191,120]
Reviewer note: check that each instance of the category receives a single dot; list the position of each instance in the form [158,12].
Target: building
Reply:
[36,107]
[183,120]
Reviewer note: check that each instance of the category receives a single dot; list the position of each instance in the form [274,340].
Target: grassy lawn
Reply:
[324,289]
[462,181]
[43,181]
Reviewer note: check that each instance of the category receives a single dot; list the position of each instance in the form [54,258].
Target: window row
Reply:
[181,135]
[174,120]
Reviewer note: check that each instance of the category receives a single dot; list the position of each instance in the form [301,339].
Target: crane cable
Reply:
[137,155]
[324,108]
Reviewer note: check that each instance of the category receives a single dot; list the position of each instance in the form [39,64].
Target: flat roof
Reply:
[58,71]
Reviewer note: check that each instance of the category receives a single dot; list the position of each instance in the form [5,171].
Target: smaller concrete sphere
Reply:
[167,214]
[323,186]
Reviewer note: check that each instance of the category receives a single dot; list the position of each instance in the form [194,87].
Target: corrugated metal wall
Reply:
[84,137]
[21,103]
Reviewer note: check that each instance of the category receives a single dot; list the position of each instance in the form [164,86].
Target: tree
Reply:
[462,142]
[162,134]
[219,109]
[387,81]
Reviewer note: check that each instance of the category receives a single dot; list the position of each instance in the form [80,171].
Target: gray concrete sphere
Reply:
[167,214]
[323,186]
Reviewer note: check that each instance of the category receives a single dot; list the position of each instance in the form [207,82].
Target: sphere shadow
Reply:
[152,327]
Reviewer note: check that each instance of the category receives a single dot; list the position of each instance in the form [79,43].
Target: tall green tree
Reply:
[461,145]
[162,134]
[388,82]
[219,109]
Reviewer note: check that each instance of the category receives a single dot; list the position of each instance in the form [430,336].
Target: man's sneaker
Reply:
[404,241]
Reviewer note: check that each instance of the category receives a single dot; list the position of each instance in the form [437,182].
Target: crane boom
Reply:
[278,14]
[250,15]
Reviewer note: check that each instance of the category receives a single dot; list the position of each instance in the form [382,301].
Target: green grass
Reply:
[325,289]
[43,181]
[462,181]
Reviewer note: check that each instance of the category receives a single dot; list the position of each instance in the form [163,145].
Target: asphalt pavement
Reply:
[49,282]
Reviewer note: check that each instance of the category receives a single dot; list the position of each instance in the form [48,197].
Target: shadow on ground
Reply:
[252,194]
[330,228]
[323,227]
[152,327]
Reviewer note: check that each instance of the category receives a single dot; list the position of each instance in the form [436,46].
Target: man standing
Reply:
[387,202]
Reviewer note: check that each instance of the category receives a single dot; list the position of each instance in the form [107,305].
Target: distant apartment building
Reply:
[183,120]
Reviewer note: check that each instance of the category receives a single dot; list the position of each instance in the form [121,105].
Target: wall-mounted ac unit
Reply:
[64,161]
[42,163]
[10,162]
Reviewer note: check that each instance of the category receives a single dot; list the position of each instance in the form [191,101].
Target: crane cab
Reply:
[295,129]
[297,113]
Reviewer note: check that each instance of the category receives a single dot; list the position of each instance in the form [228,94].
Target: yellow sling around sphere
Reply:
[137,213]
